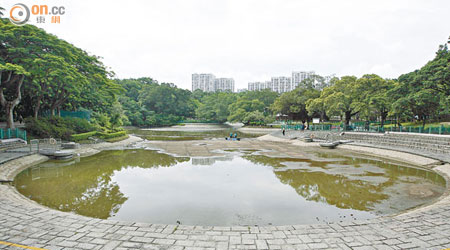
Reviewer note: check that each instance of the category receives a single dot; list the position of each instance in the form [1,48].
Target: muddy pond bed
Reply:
[189,132]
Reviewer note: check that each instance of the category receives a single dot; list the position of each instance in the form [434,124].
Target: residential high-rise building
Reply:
[205,82]
[224,84]
[281,84]
[299,76]
[209,83]
[255,86]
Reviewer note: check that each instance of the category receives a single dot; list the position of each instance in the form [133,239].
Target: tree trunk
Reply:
[9,116]
[37,107]
[383,118]
[10,105]
[348,116]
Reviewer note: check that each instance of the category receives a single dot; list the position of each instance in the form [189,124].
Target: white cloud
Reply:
[251,40]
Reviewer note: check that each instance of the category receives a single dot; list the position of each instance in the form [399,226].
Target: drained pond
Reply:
[191,132]
[240,188]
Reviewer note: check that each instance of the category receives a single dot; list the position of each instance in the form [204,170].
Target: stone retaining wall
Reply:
[434,146]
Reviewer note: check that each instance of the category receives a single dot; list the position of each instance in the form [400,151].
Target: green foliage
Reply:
[242,107]
[436,73]
[39,71]
[293,103]
[341,98]
[254,118]
[17,69]
[214,106]
[102,120]
[59,75]
[232,107]
[57,127]
[424,93]
[111,135]
[102,135]
[373,97]
[83,136]
[266,96]
[167,99]
[146,103]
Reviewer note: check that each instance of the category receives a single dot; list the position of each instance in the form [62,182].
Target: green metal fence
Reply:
[76,114]
[427,130]
[13,133]
[441,130]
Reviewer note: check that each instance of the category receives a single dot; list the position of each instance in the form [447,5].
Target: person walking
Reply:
[284,132]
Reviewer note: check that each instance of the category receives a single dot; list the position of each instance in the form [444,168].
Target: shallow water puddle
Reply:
[239,189]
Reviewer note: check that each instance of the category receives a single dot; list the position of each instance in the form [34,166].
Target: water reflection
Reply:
[209,160]
[247,189]
[86,188]
[353,183]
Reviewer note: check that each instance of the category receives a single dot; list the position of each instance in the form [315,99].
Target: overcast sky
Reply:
[252,40]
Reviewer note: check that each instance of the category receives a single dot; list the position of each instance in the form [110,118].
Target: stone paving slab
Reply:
[25,222]
[8,156]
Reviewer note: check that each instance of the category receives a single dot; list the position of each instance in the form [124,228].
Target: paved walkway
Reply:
[25,222]
[8,156]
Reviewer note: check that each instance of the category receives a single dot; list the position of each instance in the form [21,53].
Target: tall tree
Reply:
[11,80]
[293,103]
[214,106]
[239,110]
[339,99]
[44,71]
[372,98]
[413,98]
[436,73]
[61,75]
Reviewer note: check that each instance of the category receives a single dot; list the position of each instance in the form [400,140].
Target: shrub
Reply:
[112,135]
[102,135]
[78,125]
[83,136]
[57,127]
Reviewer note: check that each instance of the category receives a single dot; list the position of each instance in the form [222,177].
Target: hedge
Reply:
[112,135]
[83,136]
